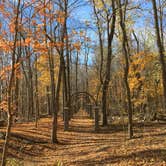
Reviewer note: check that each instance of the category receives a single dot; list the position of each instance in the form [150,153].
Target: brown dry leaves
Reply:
[81,146]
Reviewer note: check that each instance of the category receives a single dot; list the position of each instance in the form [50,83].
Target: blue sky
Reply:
[143,19]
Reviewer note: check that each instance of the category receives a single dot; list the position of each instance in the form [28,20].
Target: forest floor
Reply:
[81,146]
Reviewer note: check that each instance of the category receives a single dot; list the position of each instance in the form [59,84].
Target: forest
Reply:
[82,82]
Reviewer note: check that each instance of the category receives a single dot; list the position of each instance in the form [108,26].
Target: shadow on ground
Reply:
[149,155]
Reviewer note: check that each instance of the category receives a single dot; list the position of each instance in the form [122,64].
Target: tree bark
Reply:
[36,95]
[56,104]
[11,82]
[160,49]
[110,35]
[126,51]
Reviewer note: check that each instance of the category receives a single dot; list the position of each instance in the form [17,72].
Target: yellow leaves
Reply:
[74,32]
[50,6]
[16,66]
[27,41]
[4,46]
[61,20]
[12,27]
[99,4]
[142,75]
[60,17]
[56,44]
[94,84]
[59,44]
[4,106]
[141,61]
[133,83]
[2,7]
[2,75]
[77,46]
[40,47]
[144,57]
[42,11]
[7,68]
[43,69]
[5,71]
[40,26]
[34,22]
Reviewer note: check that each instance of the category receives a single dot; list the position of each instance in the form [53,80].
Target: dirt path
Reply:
[82,146]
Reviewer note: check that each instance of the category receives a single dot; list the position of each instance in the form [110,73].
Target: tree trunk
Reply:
[56,104]
[99,28]
[76,73]
[110,35]
[160,48]
[11,82]
[7,137]
[67,53]
[36,95]
[48,101]
[30,90]
[125,47]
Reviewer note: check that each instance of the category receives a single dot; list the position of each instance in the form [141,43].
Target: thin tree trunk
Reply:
[67,53]
[100,41]
[30,91]
[54,94]
[126,72]
[55,112]
[160,49]
[11,81]
[48,100]
[36,95]
[110,35]
[76,73]
[137,41]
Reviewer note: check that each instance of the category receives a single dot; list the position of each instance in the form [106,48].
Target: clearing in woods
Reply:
[82,146]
